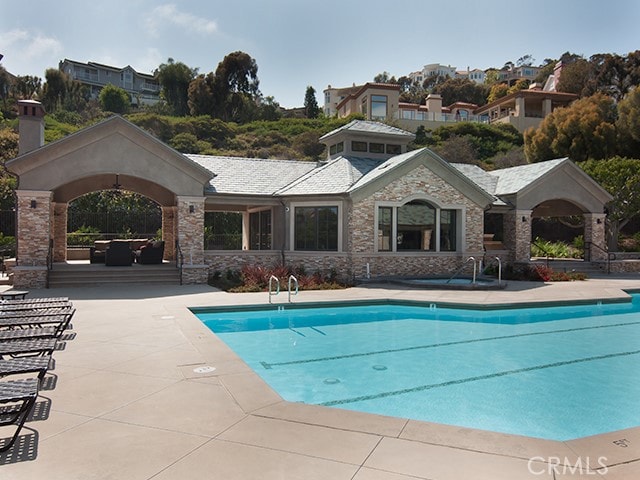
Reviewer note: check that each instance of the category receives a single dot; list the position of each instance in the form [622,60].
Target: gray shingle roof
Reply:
[384,167]
[369,127]
[337,176]
[251,176]
[483,179]
[514,179]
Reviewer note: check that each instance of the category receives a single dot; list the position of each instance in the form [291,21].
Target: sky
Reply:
[301,43]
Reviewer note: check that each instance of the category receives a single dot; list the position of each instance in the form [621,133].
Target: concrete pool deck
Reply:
[129,399]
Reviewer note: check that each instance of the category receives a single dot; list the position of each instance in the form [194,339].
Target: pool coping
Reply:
[238,378]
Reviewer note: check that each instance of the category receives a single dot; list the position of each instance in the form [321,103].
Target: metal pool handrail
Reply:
[293,280]
[475,269]
[277,290]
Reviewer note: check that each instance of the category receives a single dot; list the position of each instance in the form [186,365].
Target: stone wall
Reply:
[59,227]
[517,234]
[169,232]
[33,232]
[190,212]
[363,238]
[594,232]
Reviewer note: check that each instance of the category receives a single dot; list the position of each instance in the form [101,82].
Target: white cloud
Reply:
[169,15]
[28,54]
[31,47]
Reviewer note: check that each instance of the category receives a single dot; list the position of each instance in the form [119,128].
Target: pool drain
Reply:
[205,369]
[379,367]
[331,381]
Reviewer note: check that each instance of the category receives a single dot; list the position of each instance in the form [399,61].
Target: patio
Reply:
[130,403]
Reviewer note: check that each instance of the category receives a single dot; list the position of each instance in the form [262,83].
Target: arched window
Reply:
[417,225]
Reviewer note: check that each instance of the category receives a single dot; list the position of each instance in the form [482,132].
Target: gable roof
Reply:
[335,177]
[514,179]
[365,126]
[113,146]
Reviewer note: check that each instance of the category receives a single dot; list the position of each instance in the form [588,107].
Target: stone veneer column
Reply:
[191,239]
[59,232]
[33,231]
[594,232]
[517,234]
[169,232]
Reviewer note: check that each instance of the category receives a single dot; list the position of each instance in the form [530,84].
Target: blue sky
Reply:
[297,43]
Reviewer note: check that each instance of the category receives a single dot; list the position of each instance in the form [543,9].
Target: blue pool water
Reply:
[552,372]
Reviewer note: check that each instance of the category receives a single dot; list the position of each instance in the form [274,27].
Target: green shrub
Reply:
[83,236]
[544,248]
[255,278]
[7,245]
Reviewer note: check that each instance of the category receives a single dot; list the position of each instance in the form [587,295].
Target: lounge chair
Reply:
[60,321]
[20,366]
[152,253]
[35,300]
[27,348]
[35,312]
[118,254]
[18,307]
[27,333]
[17,398]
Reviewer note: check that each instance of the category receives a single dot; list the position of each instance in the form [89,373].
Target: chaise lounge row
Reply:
[31,330]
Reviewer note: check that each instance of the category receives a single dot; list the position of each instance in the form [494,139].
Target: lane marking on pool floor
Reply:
[269,366]
[488,376]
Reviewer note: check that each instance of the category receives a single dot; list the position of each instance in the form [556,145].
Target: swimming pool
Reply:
[557,373]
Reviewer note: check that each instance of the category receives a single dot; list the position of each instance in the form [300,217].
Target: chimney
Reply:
[434,103]
[30,125]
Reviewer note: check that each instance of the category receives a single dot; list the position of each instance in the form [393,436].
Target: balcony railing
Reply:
[152,87]
[442,117]
[87,77]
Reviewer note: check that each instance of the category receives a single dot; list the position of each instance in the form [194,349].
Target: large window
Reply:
[378,107]
[223,231]
[416,223]
[417,226]
[260,230]
[316,228]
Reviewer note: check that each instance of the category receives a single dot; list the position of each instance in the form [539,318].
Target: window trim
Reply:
[292,224]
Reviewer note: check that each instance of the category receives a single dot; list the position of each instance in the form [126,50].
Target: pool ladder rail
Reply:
[477,268]
[274,287]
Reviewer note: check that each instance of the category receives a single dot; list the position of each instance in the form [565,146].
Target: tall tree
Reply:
[583,130]
[621,178]
[525,61]
[384,77]
[628,124]
[201,99]
[311,109]
[236,87]
[54,90]
[5,86]
[174,78]
[26,86]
